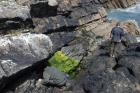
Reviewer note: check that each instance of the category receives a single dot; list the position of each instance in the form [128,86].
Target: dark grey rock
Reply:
[100,63]
[131,61]
[74,51]
[61,39]
[54,77]
[115,82]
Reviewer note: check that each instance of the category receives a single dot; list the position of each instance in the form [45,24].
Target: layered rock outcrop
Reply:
[63,15]
[119,3]
[70,14]
[21,52]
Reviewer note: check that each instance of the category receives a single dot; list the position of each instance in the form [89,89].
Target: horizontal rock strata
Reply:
[64,17]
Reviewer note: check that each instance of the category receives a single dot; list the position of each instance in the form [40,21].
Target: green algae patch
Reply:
[64,63]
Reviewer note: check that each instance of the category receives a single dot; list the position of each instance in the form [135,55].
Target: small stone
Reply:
[39,83]
[52,2]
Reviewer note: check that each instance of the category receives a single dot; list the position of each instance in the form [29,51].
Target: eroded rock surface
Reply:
[61,21]
[20,52]
[13,15]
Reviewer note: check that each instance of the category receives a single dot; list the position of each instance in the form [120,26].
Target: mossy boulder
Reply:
[64,63]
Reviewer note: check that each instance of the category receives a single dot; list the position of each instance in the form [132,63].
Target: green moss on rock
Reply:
[64,63]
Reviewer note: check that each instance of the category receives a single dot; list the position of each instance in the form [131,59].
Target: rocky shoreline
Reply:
[78,28]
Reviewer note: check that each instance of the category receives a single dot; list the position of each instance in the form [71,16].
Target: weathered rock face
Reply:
[21,52]
[66,16]
[110,75]
[119,3]
[70,13]
[74,49]
[131,62]
[61,15]
[13,15]
[100,78]
[61,39]
[10,9]
[132,26]
[110,82]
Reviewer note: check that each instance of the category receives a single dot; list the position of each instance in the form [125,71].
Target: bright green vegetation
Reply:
[64,63]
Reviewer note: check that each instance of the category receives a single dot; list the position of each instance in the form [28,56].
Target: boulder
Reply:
[54,77]
[132,27]
[20,52]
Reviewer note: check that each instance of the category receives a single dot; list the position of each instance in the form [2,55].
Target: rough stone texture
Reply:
[118,82]
[61,39]
[118,3]
[13,14]
[102,74]
[100,63]
[76,51]
[131,61]
[87,16]
[52,76]
[67,14]
[132,26]
[73,13]
[10,9]
[24,50]
[20,52]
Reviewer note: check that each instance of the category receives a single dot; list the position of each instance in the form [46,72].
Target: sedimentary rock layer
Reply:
[64,14]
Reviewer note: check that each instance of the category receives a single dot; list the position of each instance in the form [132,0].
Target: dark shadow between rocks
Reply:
[105,54]
[8,24]
[131,72]
[35,71]
[116,67]
[61,29]
[41,10]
